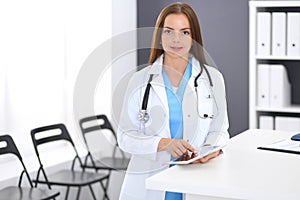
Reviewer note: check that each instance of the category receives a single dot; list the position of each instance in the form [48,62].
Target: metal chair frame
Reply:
[77,176]
[31,192]
[102,164]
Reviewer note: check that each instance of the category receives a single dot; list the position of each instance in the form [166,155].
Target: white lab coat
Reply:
[145,160]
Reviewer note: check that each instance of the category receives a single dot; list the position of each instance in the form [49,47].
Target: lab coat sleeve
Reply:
[130,137]
[218,131]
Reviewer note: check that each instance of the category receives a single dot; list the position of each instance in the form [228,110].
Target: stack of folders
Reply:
[278,34]
[281,123]
[273,86]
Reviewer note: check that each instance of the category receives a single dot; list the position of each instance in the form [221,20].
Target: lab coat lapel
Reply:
[158,84]
[189,104]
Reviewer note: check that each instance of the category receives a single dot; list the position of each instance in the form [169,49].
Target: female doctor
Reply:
[171,107]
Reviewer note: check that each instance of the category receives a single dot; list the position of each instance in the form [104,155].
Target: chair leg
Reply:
[92,191]
[78,193]
[67,193]
[107,180]
[104,190]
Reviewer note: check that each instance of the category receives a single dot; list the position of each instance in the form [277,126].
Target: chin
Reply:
[177,54]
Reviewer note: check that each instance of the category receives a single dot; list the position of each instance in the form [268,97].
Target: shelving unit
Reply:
[254,110]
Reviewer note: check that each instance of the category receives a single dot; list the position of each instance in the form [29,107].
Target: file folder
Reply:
[263,42]
[293,34]
[278,33]
[266,122]
[287,123]
[280,87]
[284,146]
[263,85]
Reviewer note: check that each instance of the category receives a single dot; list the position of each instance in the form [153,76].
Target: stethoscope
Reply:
[143,114]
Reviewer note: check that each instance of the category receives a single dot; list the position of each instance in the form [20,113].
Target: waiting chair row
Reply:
[71,177]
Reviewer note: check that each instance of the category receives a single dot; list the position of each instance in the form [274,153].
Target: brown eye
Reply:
[168,32]
[186,33]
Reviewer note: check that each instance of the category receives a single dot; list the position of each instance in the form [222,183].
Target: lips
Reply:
[176,48]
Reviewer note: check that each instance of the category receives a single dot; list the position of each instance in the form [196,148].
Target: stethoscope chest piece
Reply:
[143,116]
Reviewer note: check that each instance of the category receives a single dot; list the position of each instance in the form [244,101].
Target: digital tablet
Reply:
[201,151]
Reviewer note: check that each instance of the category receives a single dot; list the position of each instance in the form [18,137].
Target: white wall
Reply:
[125,42]
[43,45]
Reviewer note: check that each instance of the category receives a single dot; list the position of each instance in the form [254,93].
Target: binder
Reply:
[280,87]
[263,43]
[293,34]
[278,34]
[266,122]
[287,123]
[263,85]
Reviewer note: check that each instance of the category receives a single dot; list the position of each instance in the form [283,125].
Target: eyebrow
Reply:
[173,28]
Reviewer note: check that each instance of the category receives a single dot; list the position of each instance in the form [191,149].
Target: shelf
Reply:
[271,4]
[255,58]
[289,109]
[277,58]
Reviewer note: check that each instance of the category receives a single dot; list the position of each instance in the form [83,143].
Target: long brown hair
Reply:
[177,8]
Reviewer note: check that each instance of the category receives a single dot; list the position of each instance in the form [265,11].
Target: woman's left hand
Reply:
[205,159]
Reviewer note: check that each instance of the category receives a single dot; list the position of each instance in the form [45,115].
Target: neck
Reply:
[175,68]
[177,65]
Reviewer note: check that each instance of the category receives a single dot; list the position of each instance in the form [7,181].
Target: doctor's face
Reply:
[176,38]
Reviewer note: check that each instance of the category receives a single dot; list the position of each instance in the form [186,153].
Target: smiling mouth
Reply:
[176,48]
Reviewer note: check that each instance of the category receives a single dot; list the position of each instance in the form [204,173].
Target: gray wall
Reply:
[224,27]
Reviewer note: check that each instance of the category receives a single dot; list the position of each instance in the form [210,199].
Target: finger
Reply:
[203,160]
[209,156]
[189,147]
[178,153]
[174,154]
[177,147]
[185,157]
[193,155]
[182,146]
[214,154]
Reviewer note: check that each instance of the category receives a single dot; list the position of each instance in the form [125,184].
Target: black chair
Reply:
[21,192]
[69,177]
[97,123]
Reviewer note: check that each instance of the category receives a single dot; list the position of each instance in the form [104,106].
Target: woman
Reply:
[175,124]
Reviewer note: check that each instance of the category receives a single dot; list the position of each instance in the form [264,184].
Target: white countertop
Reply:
[242,172]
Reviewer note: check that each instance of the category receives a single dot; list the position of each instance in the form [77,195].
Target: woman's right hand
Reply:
[176,147]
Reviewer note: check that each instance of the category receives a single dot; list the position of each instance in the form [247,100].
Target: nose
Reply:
[176,37]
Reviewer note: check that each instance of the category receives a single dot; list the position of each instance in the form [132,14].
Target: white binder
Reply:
[278,34]
[280,87]
[263,85]
[287,123]
[266,122]
[293,34]
[263,43]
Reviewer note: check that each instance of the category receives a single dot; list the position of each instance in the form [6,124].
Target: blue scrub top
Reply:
[175,112]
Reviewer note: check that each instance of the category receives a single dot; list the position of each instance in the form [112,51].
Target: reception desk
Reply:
[242,172]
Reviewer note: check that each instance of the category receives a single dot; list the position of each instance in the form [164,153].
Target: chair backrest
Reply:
[94,123]
[63,135]
[11,148]
[100,122]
